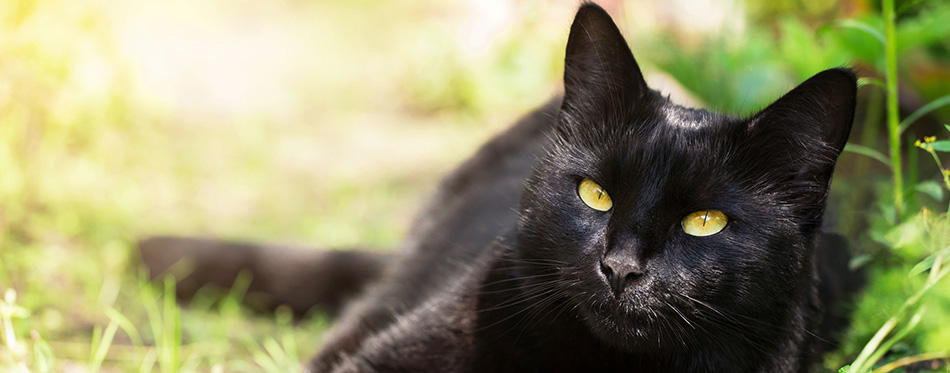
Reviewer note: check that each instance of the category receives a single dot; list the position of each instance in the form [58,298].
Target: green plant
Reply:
[932,147]
[927,230]
[14,358]
[923,234]
[893,115]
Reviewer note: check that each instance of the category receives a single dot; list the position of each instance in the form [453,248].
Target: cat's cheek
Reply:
[697,266]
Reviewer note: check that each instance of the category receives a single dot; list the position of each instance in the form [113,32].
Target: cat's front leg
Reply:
[437,336]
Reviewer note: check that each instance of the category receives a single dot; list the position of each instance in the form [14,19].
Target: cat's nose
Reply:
[620,272]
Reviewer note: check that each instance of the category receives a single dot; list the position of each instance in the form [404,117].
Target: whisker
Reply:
[519,279]
[745,329]
[535,261]
[524,297]
[533,316]
[548,293]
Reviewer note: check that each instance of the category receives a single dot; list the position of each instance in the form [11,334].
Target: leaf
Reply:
[100,349]
[861,26]
[19,312]
[275,351]
[859,261]
[927,263]
[924,28]
[924,110]
[906,237]
[863,81]
[878,236]
[941,146]
[149,361]
[905,361]
[907,5]
[265,361]
[947,126]
[921,267]
[126,325]
[42,355]
[866,151]
[889,213]
[931,188]
[886,346]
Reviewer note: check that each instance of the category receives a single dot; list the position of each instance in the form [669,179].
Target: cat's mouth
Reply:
[623,326]
[633,320]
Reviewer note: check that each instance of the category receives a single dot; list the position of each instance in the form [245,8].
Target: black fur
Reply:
[502,272]
[278,274]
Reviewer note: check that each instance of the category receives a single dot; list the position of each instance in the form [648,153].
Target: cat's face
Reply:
[608,202]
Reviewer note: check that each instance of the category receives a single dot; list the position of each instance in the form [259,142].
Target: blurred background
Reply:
[326,123]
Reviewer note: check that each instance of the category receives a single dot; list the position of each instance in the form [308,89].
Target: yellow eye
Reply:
[594,195]
[704,223]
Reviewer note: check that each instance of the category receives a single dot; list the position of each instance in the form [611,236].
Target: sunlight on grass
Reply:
[119,120]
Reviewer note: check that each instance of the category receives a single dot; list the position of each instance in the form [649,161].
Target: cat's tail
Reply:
[301,278]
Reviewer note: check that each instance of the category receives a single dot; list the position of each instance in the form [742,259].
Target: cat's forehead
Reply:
[673,139]
[653,125]
[680,117]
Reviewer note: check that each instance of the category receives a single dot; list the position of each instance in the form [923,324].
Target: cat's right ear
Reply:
[599,68]
[797,139]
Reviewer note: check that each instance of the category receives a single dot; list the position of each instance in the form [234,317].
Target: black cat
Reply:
[610,230]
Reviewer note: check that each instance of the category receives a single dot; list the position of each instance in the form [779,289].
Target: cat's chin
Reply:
[629,325]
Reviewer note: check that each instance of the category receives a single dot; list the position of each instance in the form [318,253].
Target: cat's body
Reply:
[507,269]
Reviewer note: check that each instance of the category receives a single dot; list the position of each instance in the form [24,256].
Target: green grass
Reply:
[328,123]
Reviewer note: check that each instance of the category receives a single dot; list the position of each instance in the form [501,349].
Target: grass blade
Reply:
[265,361]
[861,26]
[42,354]
[148,363]
[277,353]
[924,110]
[863,81]
[125,325]
[102,347]
[171,346]
[912,360]
[863,362]
[869,152]
[886,346]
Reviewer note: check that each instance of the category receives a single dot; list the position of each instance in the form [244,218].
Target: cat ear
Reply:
[821,108]
[798,138]
[598,65]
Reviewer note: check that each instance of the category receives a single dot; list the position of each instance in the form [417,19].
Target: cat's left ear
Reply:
[599,68]
[799,137]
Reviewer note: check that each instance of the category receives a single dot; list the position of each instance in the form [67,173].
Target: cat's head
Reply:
[670,225]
